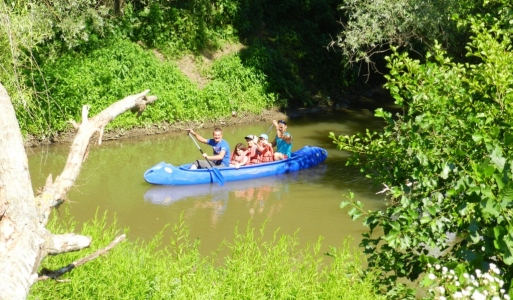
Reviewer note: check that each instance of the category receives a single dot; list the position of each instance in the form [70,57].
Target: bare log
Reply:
[57,273]
[24,239]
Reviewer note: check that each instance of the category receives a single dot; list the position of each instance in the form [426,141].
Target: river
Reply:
[305,203]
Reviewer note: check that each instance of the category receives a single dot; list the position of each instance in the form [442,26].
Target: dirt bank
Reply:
[365,101]
[67,136]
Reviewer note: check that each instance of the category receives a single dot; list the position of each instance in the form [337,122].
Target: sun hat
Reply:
[263,135]
[251,137]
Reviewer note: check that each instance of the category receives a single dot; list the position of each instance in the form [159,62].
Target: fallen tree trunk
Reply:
[24,239]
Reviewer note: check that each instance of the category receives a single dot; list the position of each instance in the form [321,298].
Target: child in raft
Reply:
[239,156]
[265,152]
[252,149]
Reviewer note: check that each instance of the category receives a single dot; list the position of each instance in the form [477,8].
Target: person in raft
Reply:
[265,152]
[239,156]
[282,141]
[220,148]
[252,148]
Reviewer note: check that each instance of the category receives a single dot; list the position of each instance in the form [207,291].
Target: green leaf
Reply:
[489,206]
[343,204]
[433,209]
[477,138]
[396,226]
[497,158]
[506,195]
[354,213]
[445,171]
[508,139]
[473,230]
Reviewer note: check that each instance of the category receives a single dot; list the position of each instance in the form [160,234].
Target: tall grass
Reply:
[256,267]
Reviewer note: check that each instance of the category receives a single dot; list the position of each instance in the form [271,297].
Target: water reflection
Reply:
[256,193]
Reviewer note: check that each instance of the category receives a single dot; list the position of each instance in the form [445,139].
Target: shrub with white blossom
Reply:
[444,283]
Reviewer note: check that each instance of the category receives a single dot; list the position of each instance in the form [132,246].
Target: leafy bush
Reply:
[446,163]
[106,75]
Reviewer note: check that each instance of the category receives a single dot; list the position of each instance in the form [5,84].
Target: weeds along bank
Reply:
[276,269]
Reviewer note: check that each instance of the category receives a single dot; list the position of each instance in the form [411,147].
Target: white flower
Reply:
[442,298]
[437,266]
[478,273]
[441,289]
[488,277]
[502,291]
[465,275]
[444,270]
[457,295]
[478,296]
[496,298]
[452,272]
[506,296]
[431,276]
[457,283]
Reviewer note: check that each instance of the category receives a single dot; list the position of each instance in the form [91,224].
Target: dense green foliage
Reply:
[257,267]
[446,161]
[57,56]
[108,74]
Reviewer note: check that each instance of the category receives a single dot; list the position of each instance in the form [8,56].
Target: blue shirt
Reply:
[217,148]
[282,146]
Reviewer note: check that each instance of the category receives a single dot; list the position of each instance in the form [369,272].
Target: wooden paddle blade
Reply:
[218,177]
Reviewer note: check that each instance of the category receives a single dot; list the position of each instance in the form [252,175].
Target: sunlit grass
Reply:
[254,268]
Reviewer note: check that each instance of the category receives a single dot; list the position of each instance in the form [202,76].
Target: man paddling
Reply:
[220,148]
[282,141]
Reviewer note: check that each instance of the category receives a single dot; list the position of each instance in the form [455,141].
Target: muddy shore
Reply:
[364,101]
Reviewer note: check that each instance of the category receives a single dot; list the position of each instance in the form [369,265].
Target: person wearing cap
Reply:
[282,141]
[252,148]
[264,149]
[220,149]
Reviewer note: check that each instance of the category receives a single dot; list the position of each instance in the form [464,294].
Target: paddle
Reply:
[272,125]
[218,177]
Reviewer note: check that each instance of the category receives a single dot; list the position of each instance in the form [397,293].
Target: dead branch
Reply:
[47,274]
[86,129]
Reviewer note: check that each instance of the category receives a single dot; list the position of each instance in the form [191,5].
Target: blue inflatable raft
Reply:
[167,174]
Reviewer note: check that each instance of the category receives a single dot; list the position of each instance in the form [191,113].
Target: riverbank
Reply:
[365,101]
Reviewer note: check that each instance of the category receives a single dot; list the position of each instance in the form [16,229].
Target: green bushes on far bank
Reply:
[110,73]
[255,268]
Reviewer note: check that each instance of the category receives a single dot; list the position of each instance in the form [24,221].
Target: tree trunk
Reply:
[24,239]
